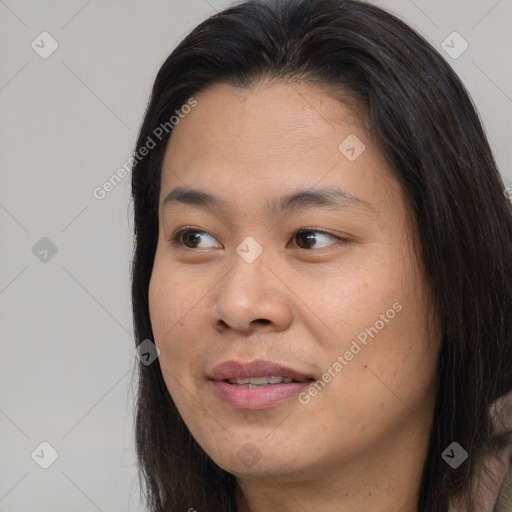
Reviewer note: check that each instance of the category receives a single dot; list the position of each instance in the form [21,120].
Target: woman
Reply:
[322,260]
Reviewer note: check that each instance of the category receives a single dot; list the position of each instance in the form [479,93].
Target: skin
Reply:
[360,443]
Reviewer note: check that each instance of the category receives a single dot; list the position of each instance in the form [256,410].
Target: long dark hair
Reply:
[429,132]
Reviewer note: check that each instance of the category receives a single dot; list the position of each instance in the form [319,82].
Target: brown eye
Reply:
[190,238]
[308,238]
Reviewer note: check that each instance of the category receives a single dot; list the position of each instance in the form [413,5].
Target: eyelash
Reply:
[176,237]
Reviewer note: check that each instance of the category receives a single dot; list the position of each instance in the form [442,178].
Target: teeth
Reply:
[259,381]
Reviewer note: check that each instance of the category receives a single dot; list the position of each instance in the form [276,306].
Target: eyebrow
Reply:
[329,197]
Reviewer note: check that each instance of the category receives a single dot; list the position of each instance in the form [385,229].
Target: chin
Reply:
[252,460]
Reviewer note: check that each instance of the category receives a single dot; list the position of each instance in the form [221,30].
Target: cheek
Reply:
[173,297]
[379,311]
[171,308]
[354,297]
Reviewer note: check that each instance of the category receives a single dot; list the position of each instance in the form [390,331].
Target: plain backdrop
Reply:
[68,122]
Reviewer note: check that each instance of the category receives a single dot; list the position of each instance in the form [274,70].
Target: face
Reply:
[301,266]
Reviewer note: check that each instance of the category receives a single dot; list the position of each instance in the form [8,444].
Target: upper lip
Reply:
[258,368]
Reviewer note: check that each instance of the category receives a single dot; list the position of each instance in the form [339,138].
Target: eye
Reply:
[189,236]
[308,237]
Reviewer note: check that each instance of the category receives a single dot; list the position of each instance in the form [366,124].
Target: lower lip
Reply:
[261,397]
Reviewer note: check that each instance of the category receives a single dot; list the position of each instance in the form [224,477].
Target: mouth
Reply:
[257,384]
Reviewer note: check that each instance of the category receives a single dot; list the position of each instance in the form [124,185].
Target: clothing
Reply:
[496,497]
[501,497]
[504,503]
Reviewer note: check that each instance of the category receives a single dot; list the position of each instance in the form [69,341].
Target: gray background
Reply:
[67,123]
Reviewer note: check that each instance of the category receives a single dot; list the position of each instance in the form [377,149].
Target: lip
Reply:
[261,397]
[257,368]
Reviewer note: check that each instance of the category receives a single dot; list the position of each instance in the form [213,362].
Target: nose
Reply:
[252,295]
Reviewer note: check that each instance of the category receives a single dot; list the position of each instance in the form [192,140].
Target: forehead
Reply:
[267,140]
[267,119]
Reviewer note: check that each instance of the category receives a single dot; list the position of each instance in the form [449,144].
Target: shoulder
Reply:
[492,486]
[503,501]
